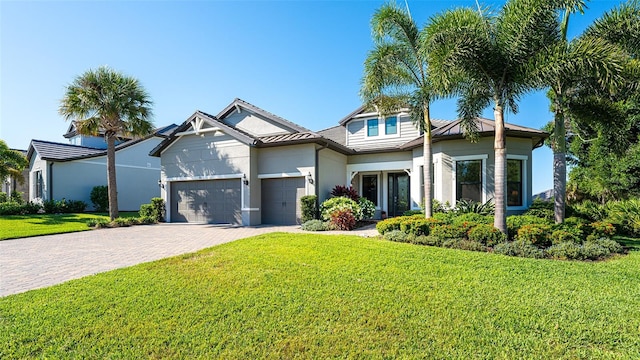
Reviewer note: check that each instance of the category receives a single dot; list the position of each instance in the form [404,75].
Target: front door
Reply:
[398,193]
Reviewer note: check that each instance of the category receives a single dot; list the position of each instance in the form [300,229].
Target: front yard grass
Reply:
[318,296]
[19,226]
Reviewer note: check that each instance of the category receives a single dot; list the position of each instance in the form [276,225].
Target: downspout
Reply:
[50,176]
[317,183]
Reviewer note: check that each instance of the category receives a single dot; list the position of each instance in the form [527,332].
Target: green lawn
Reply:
[317,296]
[19,226]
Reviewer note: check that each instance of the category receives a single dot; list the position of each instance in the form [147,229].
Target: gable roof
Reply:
[239,103]
[486,127]
[53,151]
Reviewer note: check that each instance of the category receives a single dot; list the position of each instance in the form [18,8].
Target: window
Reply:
[372,127]
[370,188]
[514,182]
[391,125]
[469,180]
[37,184]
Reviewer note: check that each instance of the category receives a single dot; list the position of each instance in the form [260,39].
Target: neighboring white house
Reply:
[247,166]
[13,184]
[70,171]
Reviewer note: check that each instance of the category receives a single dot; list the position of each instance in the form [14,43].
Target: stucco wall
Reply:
[332,171]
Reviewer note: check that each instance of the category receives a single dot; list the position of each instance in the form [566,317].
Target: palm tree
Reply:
[395,76]
[564,67]
[12,162]
[484,58]
[106,101]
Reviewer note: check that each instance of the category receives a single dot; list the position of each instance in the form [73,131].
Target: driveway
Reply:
[42,261]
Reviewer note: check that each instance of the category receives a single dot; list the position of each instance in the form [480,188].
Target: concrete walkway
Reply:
[42,261]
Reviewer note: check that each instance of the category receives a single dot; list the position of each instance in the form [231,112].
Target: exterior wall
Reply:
[332,171]
[357,133]
[447,152]
[37,164]
[208,157]
[137,176]
[254,124]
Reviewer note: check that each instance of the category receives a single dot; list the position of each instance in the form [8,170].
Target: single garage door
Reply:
[207,201]
[281,200]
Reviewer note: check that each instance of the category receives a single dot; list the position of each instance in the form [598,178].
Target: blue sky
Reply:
[301,60]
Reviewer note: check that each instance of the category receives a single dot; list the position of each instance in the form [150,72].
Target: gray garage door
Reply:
[208,201]
[281,200]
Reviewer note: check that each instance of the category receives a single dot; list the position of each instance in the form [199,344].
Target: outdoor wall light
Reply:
[244,179]
[160,184]
[309,178]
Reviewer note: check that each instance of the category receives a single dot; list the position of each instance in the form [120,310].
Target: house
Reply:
[70,171]
[13,184]
[247,166]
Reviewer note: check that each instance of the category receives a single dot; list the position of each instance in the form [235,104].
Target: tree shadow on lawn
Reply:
[48,219]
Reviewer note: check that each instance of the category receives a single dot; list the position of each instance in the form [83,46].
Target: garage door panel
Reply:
[207,201]
[281,200]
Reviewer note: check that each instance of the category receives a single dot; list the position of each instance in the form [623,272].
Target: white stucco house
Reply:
[246,166]
[71,170]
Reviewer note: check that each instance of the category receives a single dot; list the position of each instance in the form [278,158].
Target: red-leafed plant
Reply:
[345,191]
[342,219]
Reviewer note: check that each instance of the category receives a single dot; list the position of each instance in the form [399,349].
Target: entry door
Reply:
[398,193]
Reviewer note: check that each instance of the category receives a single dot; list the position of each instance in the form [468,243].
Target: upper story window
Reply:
[382,127]
[391,125]
[372,127]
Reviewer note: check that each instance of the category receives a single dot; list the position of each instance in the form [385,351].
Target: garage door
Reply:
[210,201]
[281,200]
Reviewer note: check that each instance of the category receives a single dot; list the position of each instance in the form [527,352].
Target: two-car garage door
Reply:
[207,201]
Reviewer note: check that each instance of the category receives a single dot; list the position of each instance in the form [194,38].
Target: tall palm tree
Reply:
[483,57]
[565,66]
[395,76]
[12,162]
[106,101]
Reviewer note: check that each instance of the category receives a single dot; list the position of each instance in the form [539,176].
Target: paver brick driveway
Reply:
[42,261]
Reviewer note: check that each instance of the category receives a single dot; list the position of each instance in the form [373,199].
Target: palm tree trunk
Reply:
[500,183]
[428,163]
[111,176]
[559,166]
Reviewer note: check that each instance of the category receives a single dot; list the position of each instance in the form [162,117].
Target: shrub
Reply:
[16,196]
[146,210]
[540,213]
[464,206]
[10,208]
[445,218]
[537,235]
[4,197]
[146,220]
[611,245]
[590,210]
[519,248]
[389,224]
[439,207]
[314,225]
[98,223]
[121,222]
[100,198]
[565,251]
[368,208]
[539,204]
[486,234]
[309,203]
[626,214]
[515,222]
[602,229]
[344,191]
[342,219]
[464,244]
[31,208]
[473,218]
[75,206]
[397,236]
[413,212]
[340,203]
[427,240]
[561,236]
[418,225]
[154,210]
[449,231]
